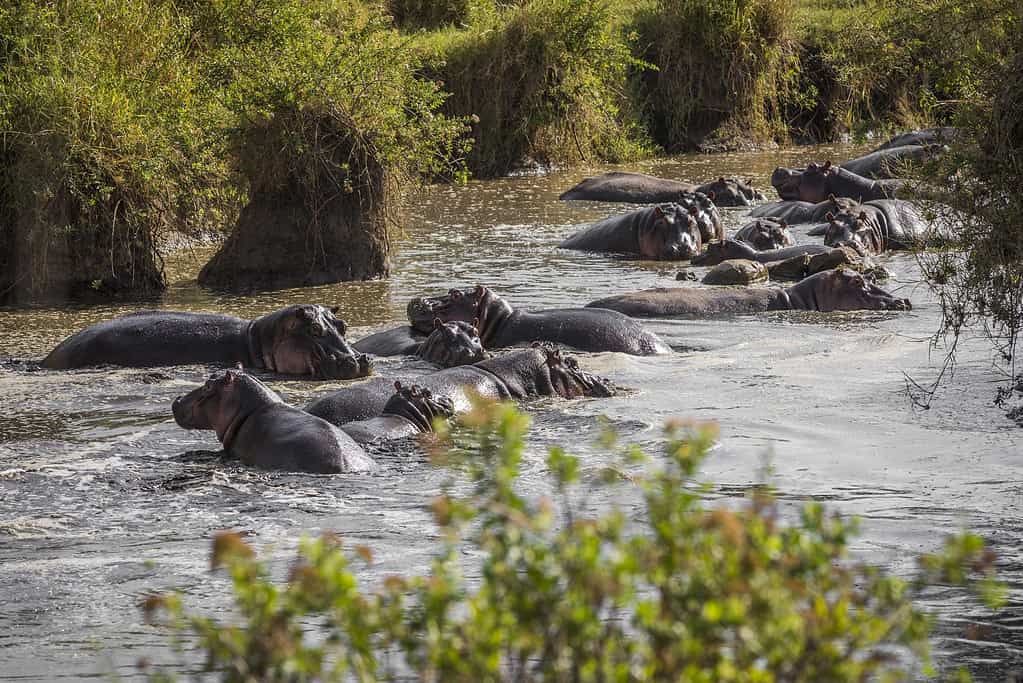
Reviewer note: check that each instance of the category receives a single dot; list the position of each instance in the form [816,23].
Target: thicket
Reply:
[682,591]
[725,69]
[98,149]
[544,81]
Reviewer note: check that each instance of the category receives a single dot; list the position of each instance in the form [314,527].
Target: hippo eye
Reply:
[455,294]
[317,329]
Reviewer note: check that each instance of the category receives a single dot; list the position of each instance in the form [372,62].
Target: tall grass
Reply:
[543,80]
[723,67]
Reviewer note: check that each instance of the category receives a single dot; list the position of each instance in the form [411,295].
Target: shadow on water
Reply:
[103,498]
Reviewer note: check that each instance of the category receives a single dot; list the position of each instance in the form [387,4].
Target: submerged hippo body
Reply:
[501,326]
[411,410]
[537,371]
[797,212]
[638,188]
[885,163]
[296,340]
[926,137]
[765,233]
[882,225]
[817,181]
[831,290]
[664,232]
[448,345]
[727,250]
[257,427]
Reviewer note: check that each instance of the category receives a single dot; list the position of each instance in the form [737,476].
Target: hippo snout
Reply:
[181,412]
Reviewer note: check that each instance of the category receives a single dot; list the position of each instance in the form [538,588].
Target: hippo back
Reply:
[633,188]
[584,329]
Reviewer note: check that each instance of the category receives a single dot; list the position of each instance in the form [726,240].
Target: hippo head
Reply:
[222,404]
[452,343]
[724,250]
[419,406]
[732,192]
[843,290]
[568,379]
[669,233]
[701,207]
[307,339]
[766,234]
[853,229]
[478,306]
[809,184]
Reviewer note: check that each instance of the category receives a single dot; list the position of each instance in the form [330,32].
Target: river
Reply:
[102,501]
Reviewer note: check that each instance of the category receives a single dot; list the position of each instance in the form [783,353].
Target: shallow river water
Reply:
[99,502]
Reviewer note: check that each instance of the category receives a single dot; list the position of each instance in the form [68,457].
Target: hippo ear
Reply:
[479,291]
[829,216]
[334,309]
[749,181]
[306,313]
[832,199]
[862,216]
[230,377]
[721,179]
[711,195]
[397,386]
[658,211]
[437,323]
[693,210]
[827,164]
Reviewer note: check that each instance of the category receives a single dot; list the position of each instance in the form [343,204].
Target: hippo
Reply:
[448,344]
[797,212]
[257,427]
[665,232]
[817,181]
[884,163]
[540,370]
[882,225]
[726,250]
[638,188]
[500,325]
[702,208]
[927,137]
[830,290]
[765,233]
[303,339]
[411,410]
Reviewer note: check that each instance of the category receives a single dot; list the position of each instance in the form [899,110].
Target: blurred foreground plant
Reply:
[686,592]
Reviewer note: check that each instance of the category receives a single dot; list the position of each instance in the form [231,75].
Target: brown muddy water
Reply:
[102,501]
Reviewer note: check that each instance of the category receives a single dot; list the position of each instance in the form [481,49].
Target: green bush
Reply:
[544,80]
[685,592]
[723,69]
[103,146]
[429,14]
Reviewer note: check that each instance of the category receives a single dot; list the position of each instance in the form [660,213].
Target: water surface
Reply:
[103,497]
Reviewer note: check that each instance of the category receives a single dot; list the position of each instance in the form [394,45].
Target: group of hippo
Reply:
[853,206]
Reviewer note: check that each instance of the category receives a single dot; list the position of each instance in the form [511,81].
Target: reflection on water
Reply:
[102,497]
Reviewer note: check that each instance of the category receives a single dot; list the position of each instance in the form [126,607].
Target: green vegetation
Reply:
[682,591]
[543,80]
[723,68]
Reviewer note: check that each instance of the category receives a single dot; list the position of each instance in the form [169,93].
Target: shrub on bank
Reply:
[429,14]
[101,146]
[682,591]
[544,80]
[724,68]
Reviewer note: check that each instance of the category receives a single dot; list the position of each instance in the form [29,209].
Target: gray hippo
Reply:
[303,339]
[927,137]
[257,427]
[448,344]
[501,326]
[537,371]
[638,188]
[728,250]
[797,212]
[765,233]
[885,163]
[666,232]
[830,290]
[411,410]
[883,225]
[817,182]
